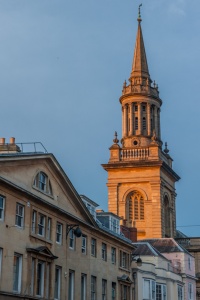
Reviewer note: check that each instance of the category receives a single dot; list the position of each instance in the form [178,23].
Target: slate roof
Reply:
[145,248]
[166,245]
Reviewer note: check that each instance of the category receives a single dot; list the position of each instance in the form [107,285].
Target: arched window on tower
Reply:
[135,207]
[167,217]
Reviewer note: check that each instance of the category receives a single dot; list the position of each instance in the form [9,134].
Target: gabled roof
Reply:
[48,158]
[166,245]
[145,248]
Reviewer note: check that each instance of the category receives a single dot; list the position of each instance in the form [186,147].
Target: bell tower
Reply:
[141,181]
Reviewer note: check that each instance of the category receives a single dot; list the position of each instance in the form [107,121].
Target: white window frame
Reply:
[151,289]
[83,287]
[113,255]
[71,285]
[104,252]
[40,284]
[2,208]
[48,234]
[114,291]
[71,239]
[180,292]
[59,229]
[41,224]
[84,244]
[93,287]
[19,215]
[104,289]
[190,291]
[33,226]
[32,276]
[93,247]
[57,290]
[17,274]
[163,289]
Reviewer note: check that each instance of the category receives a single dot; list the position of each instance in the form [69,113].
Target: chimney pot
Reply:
[12,140]
[2,141]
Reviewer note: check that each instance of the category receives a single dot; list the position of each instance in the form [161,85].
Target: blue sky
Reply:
[62,66]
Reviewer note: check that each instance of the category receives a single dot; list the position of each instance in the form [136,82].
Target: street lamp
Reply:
[77,231]
[137,260]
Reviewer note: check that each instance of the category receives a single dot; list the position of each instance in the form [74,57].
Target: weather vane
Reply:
[139,14]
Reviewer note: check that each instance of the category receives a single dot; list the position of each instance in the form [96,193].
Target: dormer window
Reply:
[43,183]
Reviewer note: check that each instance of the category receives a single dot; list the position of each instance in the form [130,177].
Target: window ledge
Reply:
[41,238]
[42,192]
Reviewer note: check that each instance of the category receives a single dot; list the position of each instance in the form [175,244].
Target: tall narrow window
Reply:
[114,291]
[41,224]
[113,255]
[57,283]
[40,279]
[47,280]
[124,260]
[180,292]
[161,292]
[190,291]
[136,108]
[93,247]
[83,286]
[104,251]
[71,286]
[59,233]
[71,239]
[17,272]
[93,288]
[43,183]
[33,226]
[32,276]
[48,234]
[135,206]
[84,244]
[19,221]
[2,204]
[104,289]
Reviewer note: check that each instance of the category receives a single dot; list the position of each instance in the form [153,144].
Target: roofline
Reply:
[18,157]
[93,226]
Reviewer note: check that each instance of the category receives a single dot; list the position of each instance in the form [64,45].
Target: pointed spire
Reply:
[140,66]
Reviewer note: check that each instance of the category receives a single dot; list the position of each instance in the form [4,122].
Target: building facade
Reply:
[43,255]
[141,181]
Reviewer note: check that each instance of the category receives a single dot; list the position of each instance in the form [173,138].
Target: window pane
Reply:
[17,268]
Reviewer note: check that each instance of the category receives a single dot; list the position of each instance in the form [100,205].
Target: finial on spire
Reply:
[139,13]
[166,150]
[116,141]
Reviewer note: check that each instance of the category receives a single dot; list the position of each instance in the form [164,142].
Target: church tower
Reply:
[141,181]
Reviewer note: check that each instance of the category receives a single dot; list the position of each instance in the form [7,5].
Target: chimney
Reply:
[8,147]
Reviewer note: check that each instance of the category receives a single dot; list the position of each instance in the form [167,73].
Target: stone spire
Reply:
[139,67]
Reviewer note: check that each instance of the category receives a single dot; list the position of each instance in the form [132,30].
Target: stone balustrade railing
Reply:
[134,154]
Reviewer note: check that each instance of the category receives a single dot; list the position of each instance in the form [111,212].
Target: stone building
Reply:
[141,181]
[42,252]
